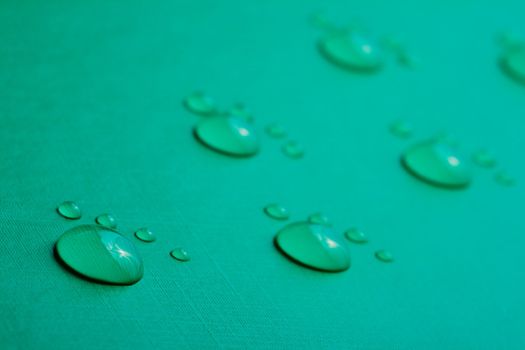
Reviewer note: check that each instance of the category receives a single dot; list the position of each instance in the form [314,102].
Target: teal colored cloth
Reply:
[90,111]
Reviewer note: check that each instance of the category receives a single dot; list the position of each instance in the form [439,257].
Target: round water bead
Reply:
[229,135]
[293,150]
[313,246]
[275,131]
[100,254]
[145,235]
[276,211]
[200,103]
[180,254]
[69,210]
[319,219]
[384,256]
[355,235]
[352,50]
[437,163]
[106,220]
[401,129]
[484,158]
[505,179]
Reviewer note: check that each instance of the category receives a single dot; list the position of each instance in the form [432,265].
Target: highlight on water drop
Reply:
[69,210]
[180,254]
[437,163]
[277,212]
[100,254]
[200,103]
[313,246]
[145,235]
[228,135]
[106,220]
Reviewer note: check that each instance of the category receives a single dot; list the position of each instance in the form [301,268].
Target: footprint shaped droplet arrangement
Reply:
[69,210]
[314,246]
[100,254]
[277,212]
[228,135]
[437,163]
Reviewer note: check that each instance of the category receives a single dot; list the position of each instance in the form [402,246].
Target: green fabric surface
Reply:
[90,111]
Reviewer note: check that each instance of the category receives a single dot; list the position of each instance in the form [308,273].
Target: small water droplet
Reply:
[276,131]
[505,179]
[180,254]
[277,212]
[384,256]
[407,59]
[513,63]
[100,254]
[401,129]
[319,219]
[352,50]
[293,150]
[106,220]
[438,164]
[200,103]
[240,111]
[145,235]
[228,135]
[355,235]
[69,210]
[314,246]
[484,158]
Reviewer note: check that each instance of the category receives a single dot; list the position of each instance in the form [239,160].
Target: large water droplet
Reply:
[228,135]
[180,254]
[384,256]
[513,63]
[313,246]
[352,50]
[277,212]
[201,104]
[69,210]
[437,163]
[355,235]
[100,254]
[106,220]
[145,235]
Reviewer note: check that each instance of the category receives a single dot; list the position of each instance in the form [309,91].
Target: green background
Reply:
[90,110]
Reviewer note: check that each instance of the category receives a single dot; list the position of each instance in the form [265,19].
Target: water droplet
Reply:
[240,111]
[69,210]
[293,150]
[319,219]
[484,158]
[145,235]
[106,220]
[355,235]
[384,256]
[228,135]
[313,246]
[277,212]
[438,164]
[504,178]
[352,50]
[407,59]
[100,254]
[513,63]
[200,103]
[401,129]
[180,254]
[276,131]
